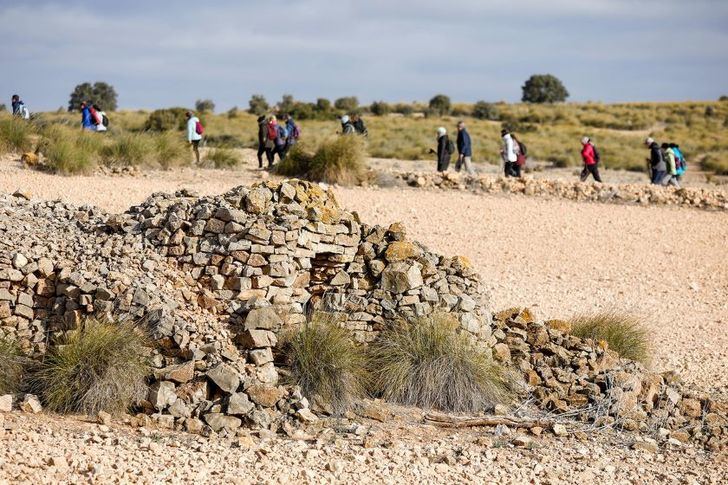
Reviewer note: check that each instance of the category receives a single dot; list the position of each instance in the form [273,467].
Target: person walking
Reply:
[102,121]
[194,134]
[657,166]
[444,151]
[590,157]
[275,141]
[347,127]
[262,138]
[19,108]
[359,127]
[509,155]
[670,177]
[87,121]
[465,150]
[293,133]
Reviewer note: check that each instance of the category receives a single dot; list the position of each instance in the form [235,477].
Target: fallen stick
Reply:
[465,422]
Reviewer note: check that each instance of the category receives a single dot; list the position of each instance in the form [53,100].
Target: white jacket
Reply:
[100,126]
[509,150]
[192,134]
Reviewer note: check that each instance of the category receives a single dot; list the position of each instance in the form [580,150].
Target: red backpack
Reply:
[272,131]
[198,127]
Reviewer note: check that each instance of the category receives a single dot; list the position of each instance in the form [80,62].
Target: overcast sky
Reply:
[164,53]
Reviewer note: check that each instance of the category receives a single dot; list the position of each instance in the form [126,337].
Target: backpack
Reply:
[24,112]
[198,128]
[105,120]
[450,147]
[522,148]
[94,116]
[597,157]
[296,132]
[281,135]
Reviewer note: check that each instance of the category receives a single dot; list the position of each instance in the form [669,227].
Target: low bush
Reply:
[67,157]
[15,135]
[127,149]
[169,150]
[223,157]
[11,367]
[340,160]
[624,333]
[297,162]
[714,164]
[166,119]
[100,366]
[427,363]
[326,363]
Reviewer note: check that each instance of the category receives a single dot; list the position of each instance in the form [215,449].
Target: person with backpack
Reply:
[347,127]
[656,162]
[194,134]
[682,164]
[670,177]
[276,140]
[19,108]
[293,132]
[520,149]
[262,139]
[509,155]
[445,149]
[87,121]
[102,122]
[590,157]
[465,150]
[359,127]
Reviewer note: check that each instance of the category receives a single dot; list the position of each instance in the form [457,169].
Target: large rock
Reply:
[31,404]
[219,421]
[239,404]
[224,377]
[162,394]
[263,318]
[266,396]
[402,250]
[400,277]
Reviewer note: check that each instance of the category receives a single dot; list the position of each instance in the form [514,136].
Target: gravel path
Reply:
[667,264]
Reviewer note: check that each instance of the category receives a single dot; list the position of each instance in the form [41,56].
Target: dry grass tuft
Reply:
[624,333]
[100,366]
[11,367]
[427,363]
[326,363]
[340,160]
[223,157]
[15,135]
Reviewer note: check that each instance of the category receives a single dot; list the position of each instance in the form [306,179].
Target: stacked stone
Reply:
[568,189]
[565,373]
[216,279]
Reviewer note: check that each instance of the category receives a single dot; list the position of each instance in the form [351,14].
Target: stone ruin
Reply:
[217,280]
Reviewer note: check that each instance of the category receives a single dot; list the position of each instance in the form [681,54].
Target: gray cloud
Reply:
[170,53]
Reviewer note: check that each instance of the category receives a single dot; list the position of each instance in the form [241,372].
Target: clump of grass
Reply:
[169,149]
[100,366]
[326,363]
[624,333]
[223,157]
[427,363]
[338,160]
[65,156]
[15,135]
[11,367]
[714,164]
[128,149]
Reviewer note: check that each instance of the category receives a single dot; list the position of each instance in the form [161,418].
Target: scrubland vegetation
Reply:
[551,132]
[624,333]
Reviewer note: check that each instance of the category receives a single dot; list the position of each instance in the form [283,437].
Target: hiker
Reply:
[520,149]
[262,138]
[445,149]
[102,122]
[87,121]
[194,134]
[465,150]
[276,140]
[590,157]
[293,132]
[359,127]
[656,162]
[509,156]
[347,127]
[682,164]
[19,108]
[670,177]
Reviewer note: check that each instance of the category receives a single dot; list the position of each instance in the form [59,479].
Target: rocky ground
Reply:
[668,264]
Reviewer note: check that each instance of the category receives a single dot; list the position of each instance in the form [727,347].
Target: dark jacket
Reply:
[657,161]
[360,127]
[443,156]
[464,146]
[348,128]
[262,132]
[18,108]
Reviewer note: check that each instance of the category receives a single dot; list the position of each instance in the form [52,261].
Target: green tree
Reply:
[544,88]
[380,108]
[348,104]
[233,112]
[258,105]
[485,111]
[286,104]
[205,106]
[440,105]
[100,93]
[323,105]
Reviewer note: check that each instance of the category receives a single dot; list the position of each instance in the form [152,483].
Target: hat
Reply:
[441,131]
[649,141]
[585,140]
[345,119]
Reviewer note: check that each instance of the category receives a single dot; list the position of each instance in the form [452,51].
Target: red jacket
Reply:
[587,154]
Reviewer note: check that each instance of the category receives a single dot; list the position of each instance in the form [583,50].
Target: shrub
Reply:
[339,160]
[297,162]
[348,104]
[440,105]
[326,363]
[204,105]
[427,363]
[233,112]
[15,135]
[100,366]
[169,150]
[11,367]
[404,108]
[127,149]
[223,157]
[624,333]
[166,119]
[69,151]
[258,105]
[485,111]
[717,165]
[544,88]
[380,108]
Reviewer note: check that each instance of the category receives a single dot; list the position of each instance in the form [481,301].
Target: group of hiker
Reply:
[276,138]
[93,118]
[353,125]
[666,163]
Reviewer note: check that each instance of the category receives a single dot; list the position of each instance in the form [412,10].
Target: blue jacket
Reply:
[86,121]
[465,148]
